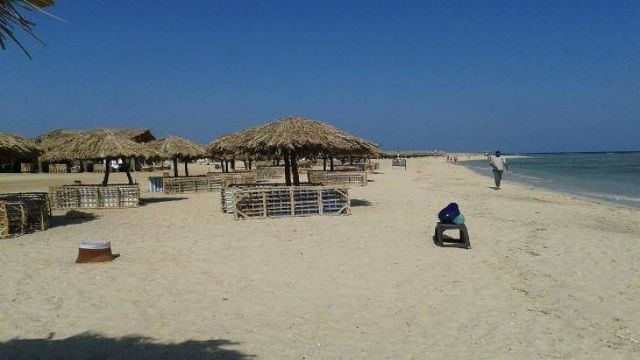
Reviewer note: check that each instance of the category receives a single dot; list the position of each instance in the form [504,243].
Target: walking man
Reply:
[498,165]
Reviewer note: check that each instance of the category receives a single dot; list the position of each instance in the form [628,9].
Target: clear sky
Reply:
[522,76]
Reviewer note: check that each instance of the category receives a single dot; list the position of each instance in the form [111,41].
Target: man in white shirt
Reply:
[498,165]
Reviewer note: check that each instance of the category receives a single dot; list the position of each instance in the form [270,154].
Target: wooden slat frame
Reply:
[283,201]
[358,178]
[113,196]
[22,213]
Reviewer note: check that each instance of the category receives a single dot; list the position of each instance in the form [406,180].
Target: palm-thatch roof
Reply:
[99,144]
[51,140]
[55,138]
[17,147]
[175,146]
[137,135]
[292,138]
[223,147]
[295,134]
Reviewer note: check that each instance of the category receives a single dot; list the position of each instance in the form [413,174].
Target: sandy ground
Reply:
[549,277]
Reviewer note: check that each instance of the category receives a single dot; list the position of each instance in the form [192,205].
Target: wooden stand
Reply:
[462,242]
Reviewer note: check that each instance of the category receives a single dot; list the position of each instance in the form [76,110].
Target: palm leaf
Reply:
[12,19]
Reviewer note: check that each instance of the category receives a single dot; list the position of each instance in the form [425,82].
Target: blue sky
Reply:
[460,76]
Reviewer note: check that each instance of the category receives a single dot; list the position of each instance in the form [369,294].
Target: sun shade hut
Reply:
[224,149]
[51,140]
[54,138]
[14,147]
[179,148]
[292,138]
[101,144]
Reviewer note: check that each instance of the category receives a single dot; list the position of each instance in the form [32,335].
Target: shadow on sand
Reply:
[72,217]
[95,346]
[154,200]
[360,202]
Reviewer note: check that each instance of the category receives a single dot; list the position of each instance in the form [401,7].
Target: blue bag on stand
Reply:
[449,213]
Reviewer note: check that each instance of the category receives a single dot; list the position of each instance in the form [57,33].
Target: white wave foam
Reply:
[614,197]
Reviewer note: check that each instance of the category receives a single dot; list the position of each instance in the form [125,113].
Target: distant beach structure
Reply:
[179,148]
[16,150]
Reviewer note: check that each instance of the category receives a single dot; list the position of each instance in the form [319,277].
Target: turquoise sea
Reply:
[613,177]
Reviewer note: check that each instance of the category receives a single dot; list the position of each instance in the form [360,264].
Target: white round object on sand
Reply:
[95,245]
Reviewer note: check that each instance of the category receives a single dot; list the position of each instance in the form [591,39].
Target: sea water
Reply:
[613,177]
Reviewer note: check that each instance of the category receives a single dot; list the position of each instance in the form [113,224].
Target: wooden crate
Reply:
[369,167]
[26,167]
[226,194]
[285,201]
[235,178]
[98,168]
[269,172]
[184,184]
[113,196]
[57,168]
[358,178]
[23,213]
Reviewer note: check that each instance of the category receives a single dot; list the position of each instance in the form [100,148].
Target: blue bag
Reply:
[458,220]
[449,213]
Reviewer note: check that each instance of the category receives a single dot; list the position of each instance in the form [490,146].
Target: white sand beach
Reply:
[548,276]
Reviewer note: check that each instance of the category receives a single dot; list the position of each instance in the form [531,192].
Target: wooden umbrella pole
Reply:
[186,166]
[331,163]
[222,165]
[127,171]
[287,168]
[175,166]
[107,170]
[324,163]
[294,168]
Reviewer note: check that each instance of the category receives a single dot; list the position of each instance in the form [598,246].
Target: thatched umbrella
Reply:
[179,148]
[223,149]
[292,138]
[15,147]
[54,138]
[101,144]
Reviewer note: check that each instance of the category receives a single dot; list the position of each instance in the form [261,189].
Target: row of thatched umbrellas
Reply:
[288,138]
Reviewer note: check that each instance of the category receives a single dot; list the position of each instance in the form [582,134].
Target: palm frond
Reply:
[12,20]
